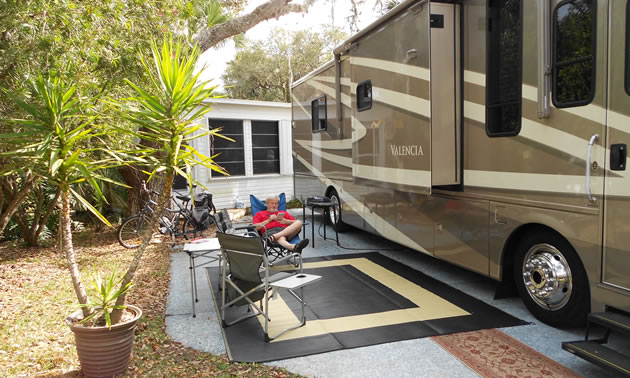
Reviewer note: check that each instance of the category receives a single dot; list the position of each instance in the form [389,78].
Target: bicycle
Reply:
[131,230]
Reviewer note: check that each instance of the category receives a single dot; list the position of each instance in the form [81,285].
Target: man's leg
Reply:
[290,231]
[287,234]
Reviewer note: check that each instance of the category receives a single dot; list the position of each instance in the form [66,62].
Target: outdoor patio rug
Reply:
[492,353]
[362,299]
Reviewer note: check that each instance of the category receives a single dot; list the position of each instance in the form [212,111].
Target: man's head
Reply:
[272,204]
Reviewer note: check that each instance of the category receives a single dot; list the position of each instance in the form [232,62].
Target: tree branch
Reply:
[271,9]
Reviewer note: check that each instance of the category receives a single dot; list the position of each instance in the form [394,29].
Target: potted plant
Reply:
[104,349]
[56,142]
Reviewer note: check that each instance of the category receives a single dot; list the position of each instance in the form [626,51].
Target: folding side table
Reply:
[326,207]
[291,283]
[196,249]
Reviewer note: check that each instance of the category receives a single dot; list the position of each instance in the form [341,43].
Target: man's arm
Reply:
[263,223]
[287,219]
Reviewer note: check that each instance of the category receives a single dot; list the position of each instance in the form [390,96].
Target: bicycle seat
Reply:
[183,198]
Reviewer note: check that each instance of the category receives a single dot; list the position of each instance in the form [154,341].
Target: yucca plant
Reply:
[103,295]
[54,142]
[166,116]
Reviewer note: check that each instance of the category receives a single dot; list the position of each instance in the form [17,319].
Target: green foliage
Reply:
[52,140]
[166,113]
[260,70]
[294,204]
[94,42]
[103,294]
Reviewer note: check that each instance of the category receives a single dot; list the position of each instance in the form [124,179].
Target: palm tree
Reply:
[165,116]
[54,144]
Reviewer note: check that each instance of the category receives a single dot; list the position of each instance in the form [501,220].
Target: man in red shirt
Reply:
[280,226]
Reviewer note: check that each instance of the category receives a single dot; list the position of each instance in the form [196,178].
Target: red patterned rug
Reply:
[492,353]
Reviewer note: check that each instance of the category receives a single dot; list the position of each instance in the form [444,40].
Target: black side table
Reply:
[326,207]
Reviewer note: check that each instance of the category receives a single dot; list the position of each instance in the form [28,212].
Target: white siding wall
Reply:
[225,189]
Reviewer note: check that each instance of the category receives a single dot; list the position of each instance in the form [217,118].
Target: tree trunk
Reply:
[133,179]
[146,238]
[73,267]
[14,202]
[271,9]
[44,219]
[31,233]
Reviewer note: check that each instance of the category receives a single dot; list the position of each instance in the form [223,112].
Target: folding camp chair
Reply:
[224,224]
[274,250]
[244,256]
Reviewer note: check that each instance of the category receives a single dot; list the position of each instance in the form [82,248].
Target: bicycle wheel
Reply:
[131,230]
[189,231]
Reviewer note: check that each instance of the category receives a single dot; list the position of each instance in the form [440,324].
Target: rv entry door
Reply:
[616,258]
[445,94]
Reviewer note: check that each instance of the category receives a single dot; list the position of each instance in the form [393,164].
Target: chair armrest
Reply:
[248,227]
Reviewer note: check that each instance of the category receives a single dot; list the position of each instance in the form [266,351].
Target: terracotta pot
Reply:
[104,352]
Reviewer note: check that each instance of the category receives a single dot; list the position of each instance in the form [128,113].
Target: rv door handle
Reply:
[588,168]
[618,156]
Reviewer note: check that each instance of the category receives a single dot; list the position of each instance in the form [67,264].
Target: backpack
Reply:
[201,212]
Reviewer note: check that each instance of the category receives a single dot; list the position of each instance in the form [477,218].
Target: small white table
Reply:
[296,281]
[196,249]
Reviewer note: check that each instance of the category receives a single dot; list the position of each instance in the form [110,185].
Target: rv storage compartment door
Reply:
[391,139]
[445,94]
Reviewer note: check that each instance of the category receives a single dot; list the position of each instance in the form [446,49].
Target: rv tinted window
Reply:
[231,154]
[364,95]
[265,147]
[574,58]
[318,114]
[504,78]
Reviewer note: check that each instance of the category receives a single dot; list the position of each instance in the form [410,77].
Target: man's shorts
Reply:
[274,230]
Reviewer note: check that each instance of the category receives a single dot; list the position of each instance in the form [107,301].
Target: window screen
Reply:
[265,147]
[574,53]
[231,154]
[364,95]
[504,79]
[318,114]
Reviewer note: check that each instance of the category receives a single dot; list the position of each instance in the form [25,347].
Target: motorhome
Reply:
[491,134]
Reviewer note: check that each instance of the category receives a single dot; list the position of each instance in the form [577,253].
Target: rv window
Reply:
[504,78]
[231,154]
[265,147]
[574,53]
[318,114]
[364,96]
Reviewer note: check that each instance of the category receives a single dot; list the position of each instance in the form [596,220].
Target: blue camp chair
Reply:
[275,251]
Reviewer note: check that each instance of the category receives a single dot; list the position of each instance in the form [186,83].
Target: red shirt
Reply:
[262,216]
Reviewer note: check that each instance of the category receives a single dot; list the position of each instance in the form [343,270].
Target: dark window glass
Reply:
[574,53]
[318,114]
[265,147]
[267,166]
[231,154]
[364,95]
[504,78]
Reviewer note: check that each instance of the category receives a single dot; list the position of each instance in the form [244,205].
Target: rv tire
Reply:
[551,280]
[337,222]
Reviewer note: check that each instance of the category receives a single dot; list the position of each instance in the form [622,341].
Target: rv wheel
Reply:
[551,280]
[335,216]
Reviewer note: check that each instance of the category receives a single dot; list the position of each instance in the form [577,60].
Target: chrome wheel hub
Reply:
[547,276]
[333,215]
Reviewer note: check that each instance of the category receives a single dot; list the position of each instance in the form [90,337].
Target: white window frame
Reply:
[284,143]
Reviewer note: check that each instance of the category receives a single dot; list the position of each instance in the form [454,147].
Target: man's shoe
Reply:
[300,246]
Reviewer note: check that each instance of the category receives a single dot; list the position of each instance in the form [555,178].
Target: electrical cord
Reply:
[319,231]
